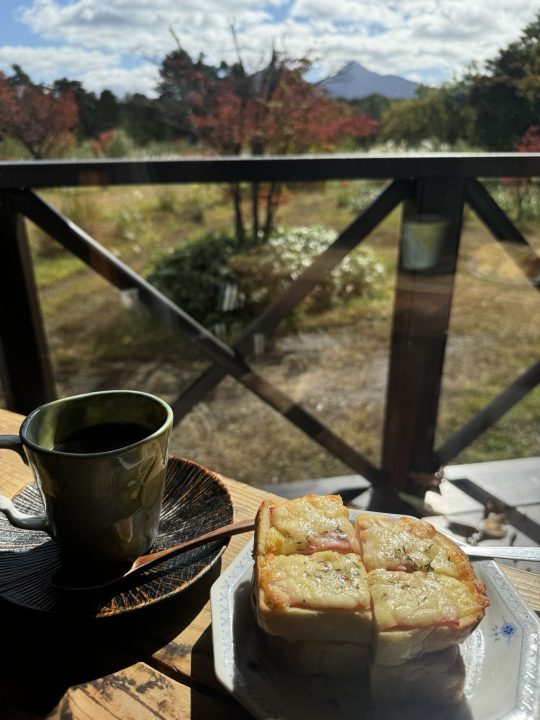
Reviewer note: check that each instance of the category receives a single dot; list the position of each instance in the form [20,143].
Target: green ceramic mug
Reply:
[99,461]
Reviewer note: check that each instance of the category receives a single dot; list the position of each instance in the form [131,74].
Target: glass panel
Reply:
[331,356]
[493,339]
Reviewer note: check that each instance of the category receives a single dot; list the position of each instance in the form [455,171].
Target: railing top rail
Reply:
[124,171]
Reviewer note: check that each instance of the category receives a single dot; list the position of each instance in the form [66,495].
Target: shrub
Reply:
[190,206]
[194,273]
[195,202]
[262,273]
[518,197]
[122,145]
[166,199]
[221,283]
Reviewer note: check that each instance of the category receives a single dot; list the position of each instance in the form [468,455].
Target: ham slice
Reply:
[337,542]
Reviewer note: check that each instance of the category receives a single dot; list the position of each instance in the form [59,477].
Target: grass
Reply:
[336,364]
[493,339]
[52,270]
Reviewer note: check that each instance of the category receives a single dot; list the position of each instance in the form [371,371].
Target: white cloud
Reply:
[135,25]
[388,36]
[121,81]
[48,61]
[95,69]
[414,76]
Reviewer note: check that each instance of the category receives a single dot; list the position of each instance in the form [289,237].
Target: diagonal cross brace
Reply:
[503,230]
[487,417]
[283,305]
[500,226]
[123,277]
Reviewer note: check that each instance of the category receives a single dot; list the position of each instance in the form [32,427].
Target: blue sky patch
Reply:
[279,13]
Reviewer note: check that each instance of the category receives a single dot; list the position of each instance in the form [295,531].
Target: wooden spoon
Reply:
[90,577]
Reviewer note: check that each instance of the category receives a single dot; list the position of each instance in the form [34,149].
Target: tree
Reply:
[86,105]
[19,80]
[373,105]
[138,115]
[441,113]
[102,142]
[490,109]
[502,115]
[184,91]
[521,187]
[108,111]
[506,99]
[271,111]
[40,119]
[141,118]
[300,118]
[530,142]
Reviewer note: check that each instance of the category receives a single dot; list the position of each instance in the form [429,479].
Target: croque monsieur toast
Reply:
[394,594]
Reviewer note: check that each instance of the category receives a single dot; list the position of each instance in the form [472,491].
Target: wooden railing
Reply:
[431,185]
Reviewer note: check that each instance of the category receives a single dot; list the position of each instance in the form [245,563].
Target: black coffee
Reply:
[103,438]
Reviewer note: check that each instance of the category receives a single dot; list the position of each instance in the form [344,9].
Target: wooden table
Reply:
[156,664]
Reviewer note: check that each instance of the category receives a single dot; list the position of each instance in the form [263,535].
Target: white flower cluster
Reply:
[298,247]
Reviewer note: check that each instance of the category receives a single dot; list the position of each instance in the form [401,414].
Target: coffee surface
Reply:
[102,438]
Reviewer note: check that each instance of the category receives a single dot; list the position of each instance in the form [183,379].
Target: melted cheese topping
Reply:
[322,580]
[408,545]
[412,600]
[311,524]
[449,560]
[466,593]
[394,544]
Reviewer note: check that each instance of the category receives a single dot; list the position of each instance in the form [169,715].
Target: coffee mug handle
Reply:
[16,518]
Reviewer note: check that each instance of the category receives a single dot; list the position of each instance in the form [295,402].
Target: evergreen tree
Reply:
[86,104]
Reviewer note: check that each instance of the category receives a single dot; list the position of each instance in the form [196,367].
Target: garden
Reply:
[331,354]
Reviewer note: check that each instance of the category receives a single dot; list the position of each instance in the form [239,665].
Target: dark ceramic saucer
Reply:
[195,502]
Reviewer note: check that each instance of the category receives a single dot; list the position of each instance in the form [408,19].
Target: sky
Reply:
[118,44]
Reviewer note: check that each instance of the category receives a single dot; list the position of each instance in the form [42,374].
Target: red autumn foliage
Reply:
[296,118]
[530,142]
[40,119]
[279,113]
[520,186]
[301,119]
[273,111]
[103,142]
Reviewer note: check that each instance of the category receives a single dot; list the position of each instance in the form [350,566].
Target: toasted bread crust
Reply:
[303,624]
[262,526]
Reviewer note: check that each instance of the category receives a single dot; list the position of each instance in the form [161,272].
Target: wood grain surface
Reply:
[155,665]
[14,474]
[139,693]
[527,583]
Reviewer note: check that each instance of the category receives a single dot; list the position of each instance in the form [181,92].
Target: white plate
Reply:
[502,659]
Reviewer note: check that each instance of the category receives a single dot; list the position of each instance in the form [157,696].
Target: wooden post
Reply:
[420,325]
[25,369]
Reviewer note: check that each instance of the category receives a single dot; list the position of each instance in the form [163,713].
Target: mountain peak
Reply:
[354,81]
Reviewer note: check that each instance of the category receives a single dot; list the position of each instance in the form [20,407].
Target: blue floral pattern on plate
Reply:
[507,631]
